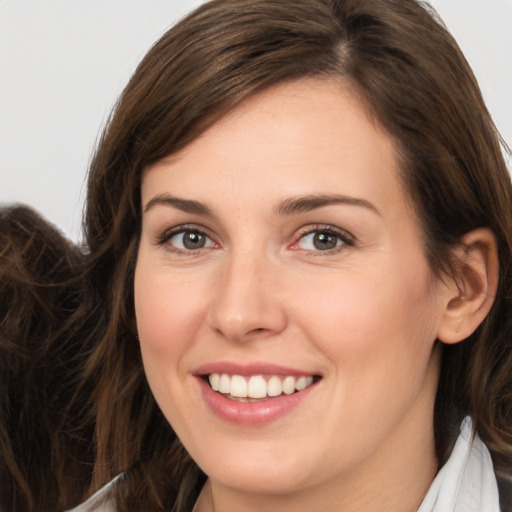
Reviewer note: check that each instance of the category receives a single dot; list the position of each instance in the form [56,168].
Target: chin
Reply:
[256,480]
[259,470]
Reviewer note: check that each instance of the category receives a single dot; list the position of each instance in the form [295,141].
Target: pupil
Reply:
[193,240]
[324,241]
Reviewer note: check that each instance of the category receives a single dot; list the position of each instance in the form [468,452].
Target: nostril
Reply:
[257,330]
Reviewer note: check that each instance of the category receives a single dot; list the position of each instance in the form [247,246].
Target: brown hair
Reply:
[408,69]
[46,433]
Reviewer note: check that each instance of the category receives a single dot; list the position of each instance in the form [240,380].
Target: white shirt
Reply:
[466,483]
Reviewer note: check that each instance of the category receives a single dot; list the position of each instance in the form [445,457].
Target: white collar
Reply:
[101,501]
[466,483]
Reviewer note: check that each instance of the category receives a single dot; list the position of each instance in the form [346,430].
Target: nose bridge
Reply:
[246,302]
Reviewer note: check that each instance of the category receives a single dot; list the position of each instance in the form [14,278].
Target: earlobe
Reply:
[474,286]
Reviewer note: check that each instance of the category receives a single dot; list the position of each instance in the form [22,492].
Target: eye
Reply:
[324,239]
[188,240]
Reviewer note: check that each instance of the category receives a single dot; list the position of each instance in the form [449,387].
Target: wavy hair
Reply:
[415,81]
[47,334]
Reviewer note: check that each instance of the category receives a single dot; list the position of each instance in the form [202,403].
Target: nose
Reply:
[247,303]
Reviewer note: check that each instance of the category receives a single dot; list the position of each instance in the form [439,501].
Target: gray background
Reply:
[64,62]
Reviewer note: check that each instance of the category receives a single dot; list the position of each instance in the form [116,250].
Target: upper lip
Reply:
[231,368]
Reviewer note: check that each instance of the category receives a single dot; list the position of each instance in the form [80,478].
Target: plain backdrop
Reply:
[64,62]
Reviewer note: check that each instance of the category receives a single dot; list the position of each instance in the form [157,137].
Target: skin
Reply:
[364,315]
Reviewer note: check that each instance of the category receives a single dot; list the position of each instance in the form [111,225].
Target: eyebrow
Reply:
[289,206]
[302,204]
[185,205]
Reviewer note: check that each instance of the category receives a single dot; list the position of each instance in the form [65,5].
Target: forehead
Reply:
[303,137]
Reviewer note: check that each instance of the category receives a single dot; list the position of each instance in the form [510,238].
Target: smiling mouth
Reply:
[258,387]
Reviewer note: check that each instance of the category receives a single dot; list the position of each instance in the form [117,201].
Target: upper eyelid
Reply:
[312,228]
[168,233]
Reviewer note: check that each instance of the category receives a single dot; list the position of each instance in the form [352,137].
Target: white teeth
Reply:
[214,381]
[257,386]
[289,385]
[274,386]
[238,387]
[300,384]
[225,383]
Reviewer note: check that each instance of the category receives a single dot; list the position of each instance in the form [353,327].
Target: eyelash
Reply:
[345,239]
[187,228]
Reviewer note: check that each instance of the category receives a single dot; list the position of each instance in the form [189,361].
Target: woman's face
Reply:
[278,251]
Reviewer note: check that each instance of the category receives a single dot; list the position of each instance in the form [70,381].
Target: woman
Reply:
[298,221]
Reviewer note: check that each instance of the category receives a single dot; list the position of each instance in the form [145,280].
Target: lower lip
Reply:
[252,413]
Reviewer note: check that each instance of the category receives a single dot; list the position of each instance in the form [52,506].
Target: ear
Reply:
[472,290]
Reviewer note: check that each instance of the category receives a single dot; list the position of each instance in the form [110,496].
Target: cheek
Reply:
[168,312]
[378,332]
[378,336]
[368,309]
